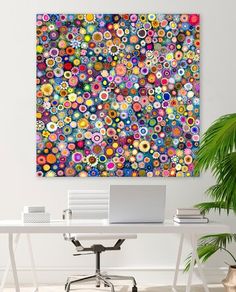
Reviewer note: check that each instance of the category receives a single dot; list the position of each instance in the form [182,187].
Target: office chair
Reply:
[93,204]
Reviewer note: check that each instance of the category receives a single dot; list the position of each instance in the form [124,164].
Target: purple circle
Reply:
[129,84]
[144,71]
[77,157]
[163,158]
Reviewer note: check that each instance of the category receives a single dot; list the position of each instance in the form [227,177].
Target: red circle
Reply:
[82,68]
[67,66]
[61,137]
[164,81]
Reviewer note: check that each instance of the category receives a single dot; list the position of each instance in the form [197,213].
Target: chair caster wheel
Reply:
[66,286]
[105,285]
[97,286]
[134,289]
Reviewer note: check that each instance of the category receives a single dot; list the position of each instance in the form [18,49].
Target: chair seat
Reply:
[102,236]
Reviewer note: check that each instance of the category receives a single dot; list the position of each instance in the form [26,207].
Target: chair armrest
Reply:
[67,215]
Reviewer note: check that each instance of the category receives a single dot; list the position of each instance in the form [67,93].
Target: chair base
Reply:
[101,278]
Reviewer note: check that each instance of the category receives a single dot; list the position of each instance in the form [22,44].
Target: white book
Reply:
[190,216]
[188,211]
[187,220]
[34,209]
[36,217]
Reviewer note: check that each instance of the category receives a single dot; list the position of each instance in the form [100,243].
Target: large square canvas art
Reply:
[117,94]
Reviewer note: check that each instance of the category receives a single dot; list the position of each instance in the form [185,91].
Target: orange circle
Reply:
[112,114]
[151,78]
[51,158]
[176,132]
[70,51]
[137,106]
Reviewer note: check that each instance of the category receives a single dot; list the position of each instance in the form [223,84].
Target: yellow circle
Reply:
[46,167]
[89,17]
[72,97]
[83,123]
[76,62]
[151,17]
[39,49]
[109,151]
[38,115]
[87,37]
[89,102]
[115,145]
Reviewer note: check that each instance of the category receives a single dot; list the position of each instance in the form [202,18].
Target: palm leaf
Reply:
[225,172]
[209,245]
[206,207]
[221,240]
[217,142]
[204,252]
[217,152]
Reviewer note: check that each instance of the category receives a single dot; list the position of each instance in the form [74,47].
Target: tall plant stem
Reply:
[222,248]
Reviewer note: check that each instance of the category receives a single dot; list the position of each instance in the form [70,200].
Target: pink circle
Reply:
[82,108]
[46,17]
[73,81]
[97,138]
[120,97]
[110,165]
[187,151]
[165,172]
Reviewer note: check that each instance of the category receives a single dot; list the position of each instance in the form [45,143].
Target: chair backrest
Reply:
[88,204]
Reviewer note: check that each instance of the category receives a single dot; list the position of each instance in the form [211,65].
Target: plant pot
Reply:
[230,281]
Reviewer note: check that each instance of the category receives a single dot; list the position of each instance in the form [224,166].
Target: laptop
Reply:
[137,203]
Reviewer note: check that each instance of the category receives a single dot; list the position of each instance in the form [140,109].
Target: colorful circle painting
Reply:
[118,95]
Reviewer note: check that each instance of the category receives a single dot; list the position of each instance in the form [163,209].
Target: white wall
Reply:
[20,186]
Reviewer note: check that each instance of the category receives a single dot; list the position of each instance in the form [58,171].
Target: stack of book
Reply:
[35,214]
[189,215]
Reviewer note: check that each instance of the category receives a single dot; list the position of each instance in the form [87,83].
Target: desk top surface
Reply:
[103,226]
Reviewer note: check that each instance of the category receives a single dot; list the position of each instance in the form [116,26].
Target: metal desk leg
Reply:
[174,286]
[194,251]
[35,282]
[8,266]
[204,283]
[13,262]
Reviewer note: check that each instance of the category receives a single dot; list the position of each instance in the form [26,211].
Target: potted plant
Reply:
[217,153]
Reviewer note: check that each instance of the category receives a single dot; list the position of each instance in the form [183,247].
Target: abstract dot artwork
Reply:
[118,95]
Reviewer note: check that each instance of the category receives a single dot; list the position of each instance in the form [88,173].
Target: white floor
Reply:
[212,288]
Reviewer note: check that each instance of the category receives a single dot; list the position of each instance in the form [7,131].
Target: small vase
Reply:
[230,281]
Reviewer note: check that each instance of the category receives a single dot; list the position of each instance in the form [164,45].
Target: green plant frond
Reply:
[206,207]
[224,194]
[225,173]
[217,152]
[218,141]
[226,166]
[209,245]
[204,252]
[219,240]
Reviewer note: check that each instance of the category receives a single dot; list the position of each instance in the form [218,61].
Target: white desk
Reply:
[193,231]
